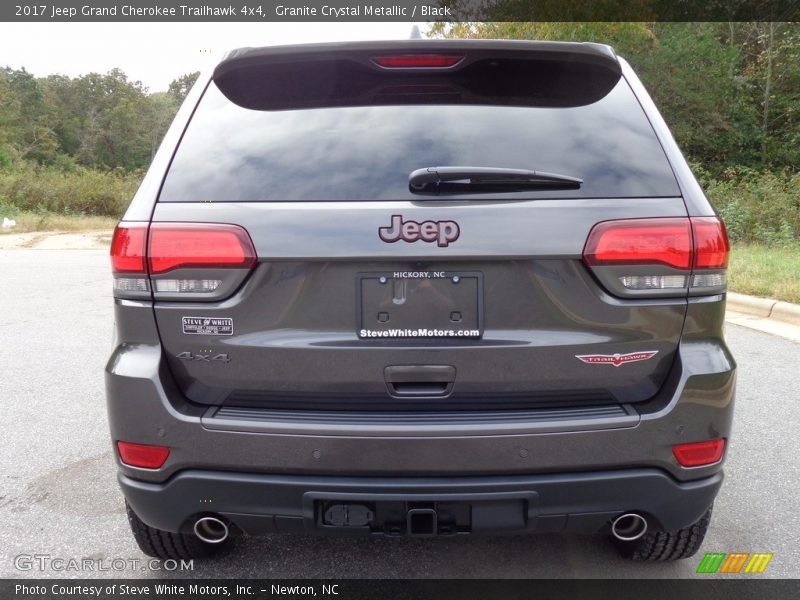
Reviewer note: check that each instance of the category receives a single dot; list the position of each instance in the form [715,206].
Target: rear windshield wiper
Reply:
[478,180]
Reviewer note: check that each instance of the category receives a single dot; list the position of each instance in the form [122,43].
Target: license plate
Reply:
[421,304]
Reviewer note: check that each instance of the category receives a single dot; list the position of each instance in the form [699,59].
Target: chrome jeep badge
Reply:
[441,232]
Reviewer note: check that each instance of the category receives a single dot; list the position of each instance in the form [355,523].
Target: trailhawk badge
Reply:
[441,232]
[616,359]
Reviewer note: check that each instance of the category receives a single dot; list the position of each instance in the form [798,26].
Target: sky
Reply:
[157,53]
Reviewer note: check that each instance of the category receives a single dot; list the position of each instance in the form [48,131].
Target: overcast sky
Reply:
[157,53]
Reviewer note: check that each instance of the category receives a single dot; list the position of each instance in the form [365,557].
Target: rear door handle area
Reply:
[405,381]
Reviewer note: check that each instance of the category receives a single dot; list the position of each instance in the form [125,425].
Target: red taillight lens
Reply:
[209,245]
[142,455]
[710,243]
[697,454]
[418,61]
[665,241]
[128,248]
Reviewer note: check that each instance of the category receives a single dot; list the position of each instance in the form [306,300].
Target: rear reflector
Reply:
[199,245]
[418,61]
[142,455]
[640,242]
[698,454]
[128,248]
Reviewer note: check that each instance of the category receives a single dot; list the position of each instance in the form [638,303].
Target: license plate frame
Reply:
[419,304]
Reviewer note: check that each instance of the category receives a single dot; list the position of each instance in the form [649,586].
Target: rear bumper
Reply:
[145,407]
[258,504]
[572,473]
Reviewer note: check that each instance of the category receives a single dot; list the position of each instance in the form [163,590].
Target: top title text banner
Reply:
[399,10]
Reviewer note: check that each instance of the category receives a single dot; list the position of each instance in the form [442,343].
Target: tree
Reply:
[28,127]
[179,87]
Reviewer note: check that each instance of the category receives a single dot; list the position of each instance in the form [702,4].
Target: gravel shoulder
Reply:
[56,240]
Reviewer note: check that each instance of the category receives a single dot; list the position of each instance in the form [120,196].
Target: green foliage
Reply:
[691,75]
[81,192]
[729,91]
[101,121]
[178,88]
[761,270]
[5,158]
[762,207]
[78,146]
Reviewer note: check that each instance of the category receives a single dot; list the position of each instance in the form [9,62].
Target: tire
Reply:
[666,545]
[165,544]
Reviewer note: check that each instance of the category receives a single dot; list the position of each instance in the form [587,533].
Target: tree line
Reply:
[98,121]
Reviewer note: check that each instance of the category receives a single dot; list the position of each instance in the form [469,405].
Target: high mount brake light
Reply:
[686,252]
[698,454]
[140,256]
[418,61]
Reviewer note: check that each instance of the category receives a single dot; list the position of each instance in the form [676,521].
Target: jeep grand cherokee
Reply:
[420,288]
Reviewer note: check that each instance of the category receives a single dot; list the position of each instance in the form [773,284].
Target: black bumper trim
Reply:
[265,503]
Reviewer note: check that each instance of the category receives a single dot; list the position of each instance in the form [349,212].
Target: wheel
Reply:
[165,544]
[666,545]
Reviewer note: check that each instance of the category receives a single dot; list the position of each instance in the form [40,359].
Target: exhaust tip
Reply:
[629,527]
[211,530]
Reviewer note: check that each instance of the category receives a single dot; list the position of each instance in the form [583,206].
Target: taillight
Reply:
[640,242]
[128,259]
[659,255]
[711,245]
[418,61]
[143,456]
[128,248]
[205,245]
[202,257]
[698,454]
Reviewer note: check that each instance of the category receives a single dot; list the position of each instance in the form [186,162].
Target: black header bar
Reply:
[261,11]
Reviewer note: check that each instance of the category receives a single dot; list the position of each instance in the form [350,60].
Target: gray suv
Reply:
[420,288]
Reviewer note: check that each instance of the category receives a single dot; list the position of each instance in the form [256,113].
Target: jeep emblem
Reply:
[441,232]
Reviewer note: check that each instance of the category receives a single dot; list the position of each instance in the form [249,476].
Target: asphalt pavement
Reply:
[59,499]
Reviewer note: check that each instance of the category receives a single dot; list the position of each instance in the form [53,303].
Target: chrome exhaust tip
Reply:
[211,530]
[629,527]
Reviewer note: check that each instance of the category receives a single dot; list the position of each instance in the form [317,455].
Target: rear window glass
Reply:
[230,153]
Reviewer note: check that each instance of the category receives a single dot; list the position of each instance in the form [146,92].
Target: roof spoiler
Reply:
[589,52]
[363,73]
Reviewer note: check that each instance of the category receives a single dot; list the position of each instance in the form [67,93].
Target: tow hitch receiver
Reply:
[422,522]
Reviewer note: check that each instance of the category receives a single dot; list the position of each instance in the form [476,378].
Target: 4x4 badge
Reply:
[616,359]
[441,232]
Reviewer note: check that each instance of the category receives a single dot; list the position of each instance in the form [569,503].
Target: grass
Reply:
[767,271]
[27,222]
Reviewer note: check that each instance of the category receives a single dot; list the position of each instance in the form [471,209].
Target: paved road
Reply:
[59,497]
